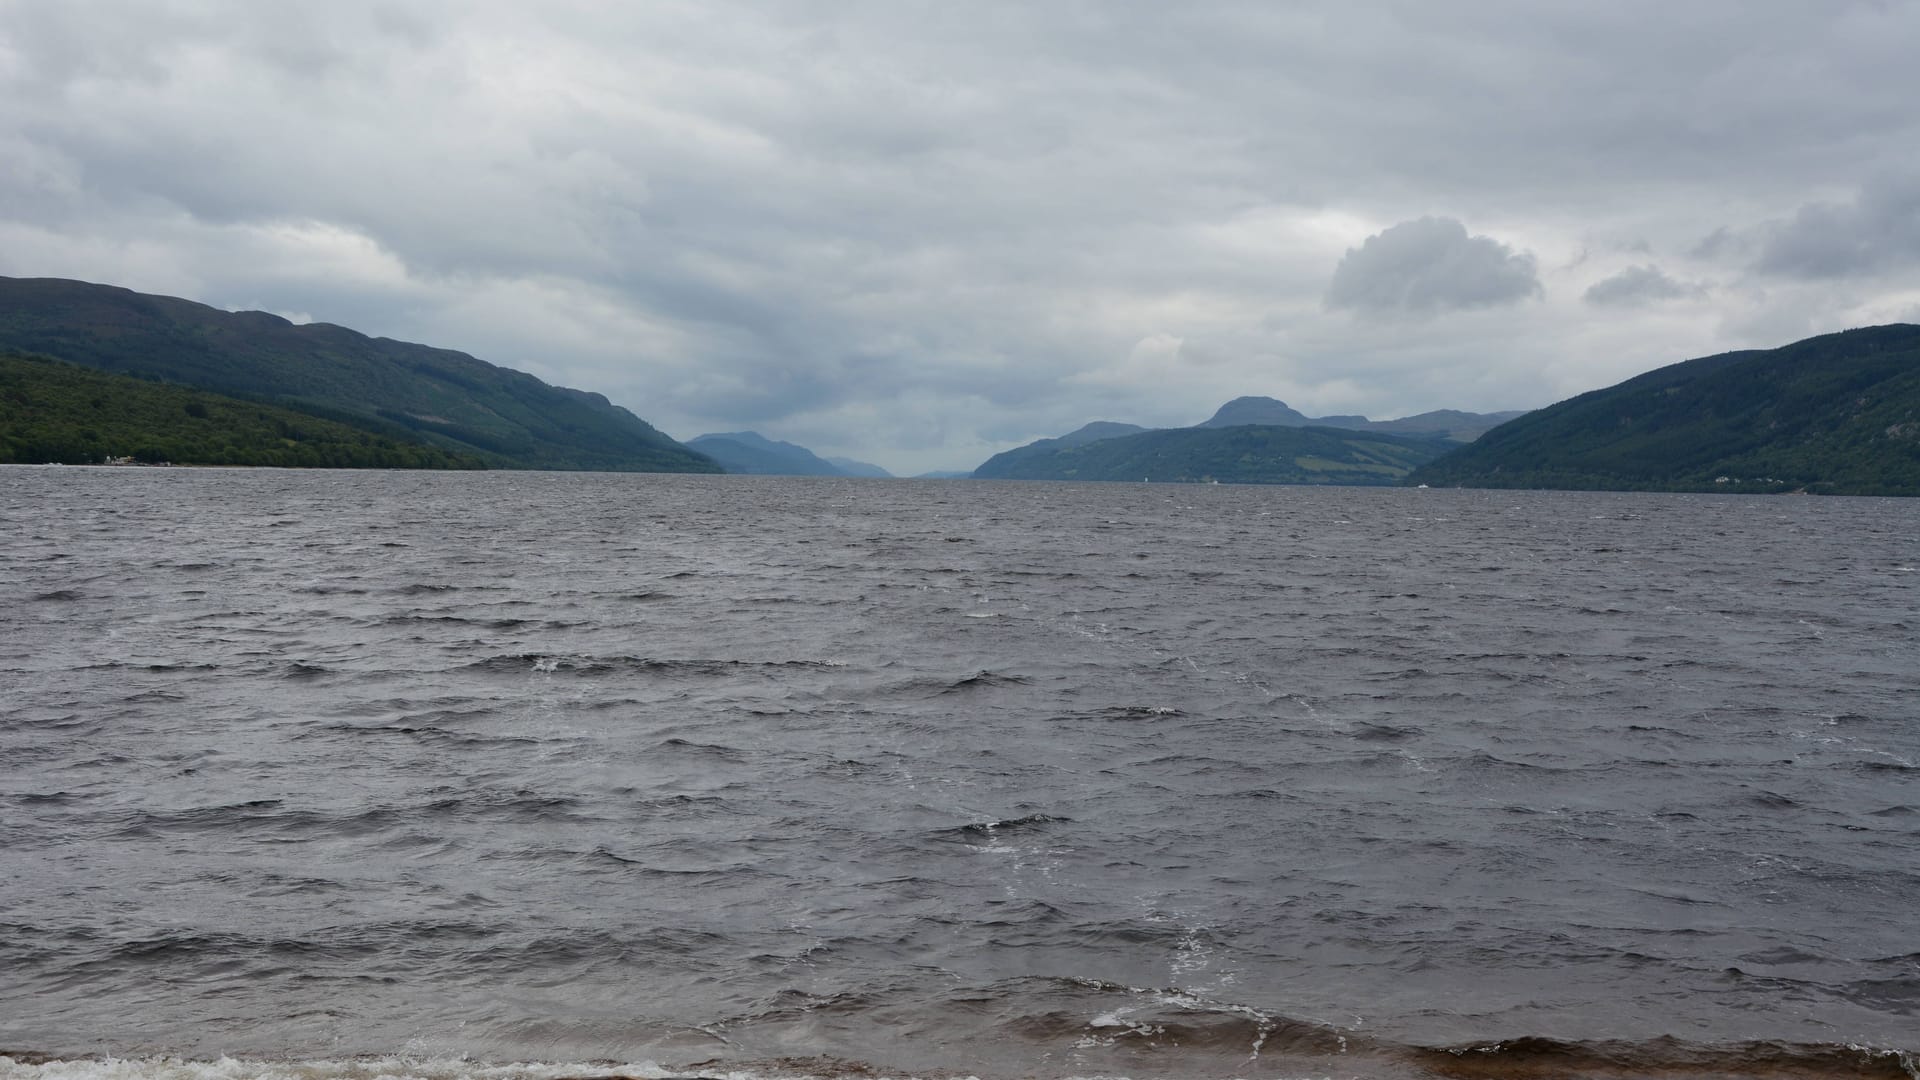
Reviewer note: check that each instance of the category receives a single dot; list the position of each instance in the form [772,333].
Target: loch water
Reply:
[357,774]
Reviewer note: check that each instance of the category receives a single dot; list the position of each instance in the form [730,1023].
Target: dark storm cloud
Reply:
[1428,265]
[1878,230]
[1637,286]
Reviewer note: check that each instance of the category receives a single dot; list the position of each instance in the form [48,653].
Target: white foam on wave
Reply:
[1122,1026]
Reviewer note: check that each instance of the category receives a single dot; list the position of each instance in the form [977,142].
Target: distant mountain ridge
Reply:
[415,393]
[1445,423]
[754,454]
[860,468]
[1210,451]
[1240,454]
[1837,414]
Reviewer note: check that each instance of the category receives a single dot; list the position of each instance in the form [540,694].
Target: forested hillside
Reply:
[52,411]
[1836,414]
[1249,454]
[434,396]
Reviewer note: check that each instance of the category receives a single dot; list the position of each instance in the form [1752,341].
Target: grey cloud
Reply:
[1720,243]
[1638,286]
[1428,265]
[1879,230]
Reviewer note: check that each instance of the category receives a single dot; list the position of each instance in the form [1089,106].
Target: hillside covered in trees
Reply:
[1835,414]
[392,389]
[1248,454]
[51,411]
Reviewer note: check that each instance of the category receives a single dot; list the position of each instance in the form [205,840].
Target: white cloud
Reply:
[1430,265]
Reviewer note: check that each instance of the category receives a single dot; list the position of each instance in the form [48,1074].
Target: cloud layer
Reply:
[1878,230]
[1638,286]
[919,233]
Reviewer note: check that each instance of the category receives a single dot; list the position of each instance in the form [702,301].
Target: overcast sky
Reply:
[920,233]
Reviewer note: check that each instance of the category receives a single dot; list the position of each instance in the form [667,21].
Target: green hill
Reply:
[410,392]
[1094,432]
[1250,454]
[52,411]
[1442,423]
[1039,454]
[1836,414]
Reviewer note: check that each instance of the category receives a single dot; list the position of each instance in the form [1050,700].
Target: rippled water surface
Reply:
[782,776]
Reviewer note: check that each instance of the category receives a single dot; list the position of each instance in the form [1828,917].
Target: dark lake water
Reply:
[331,774]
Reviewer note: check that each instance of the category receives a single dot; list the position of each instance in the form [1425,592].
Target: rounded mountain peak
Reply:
[1257,410]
